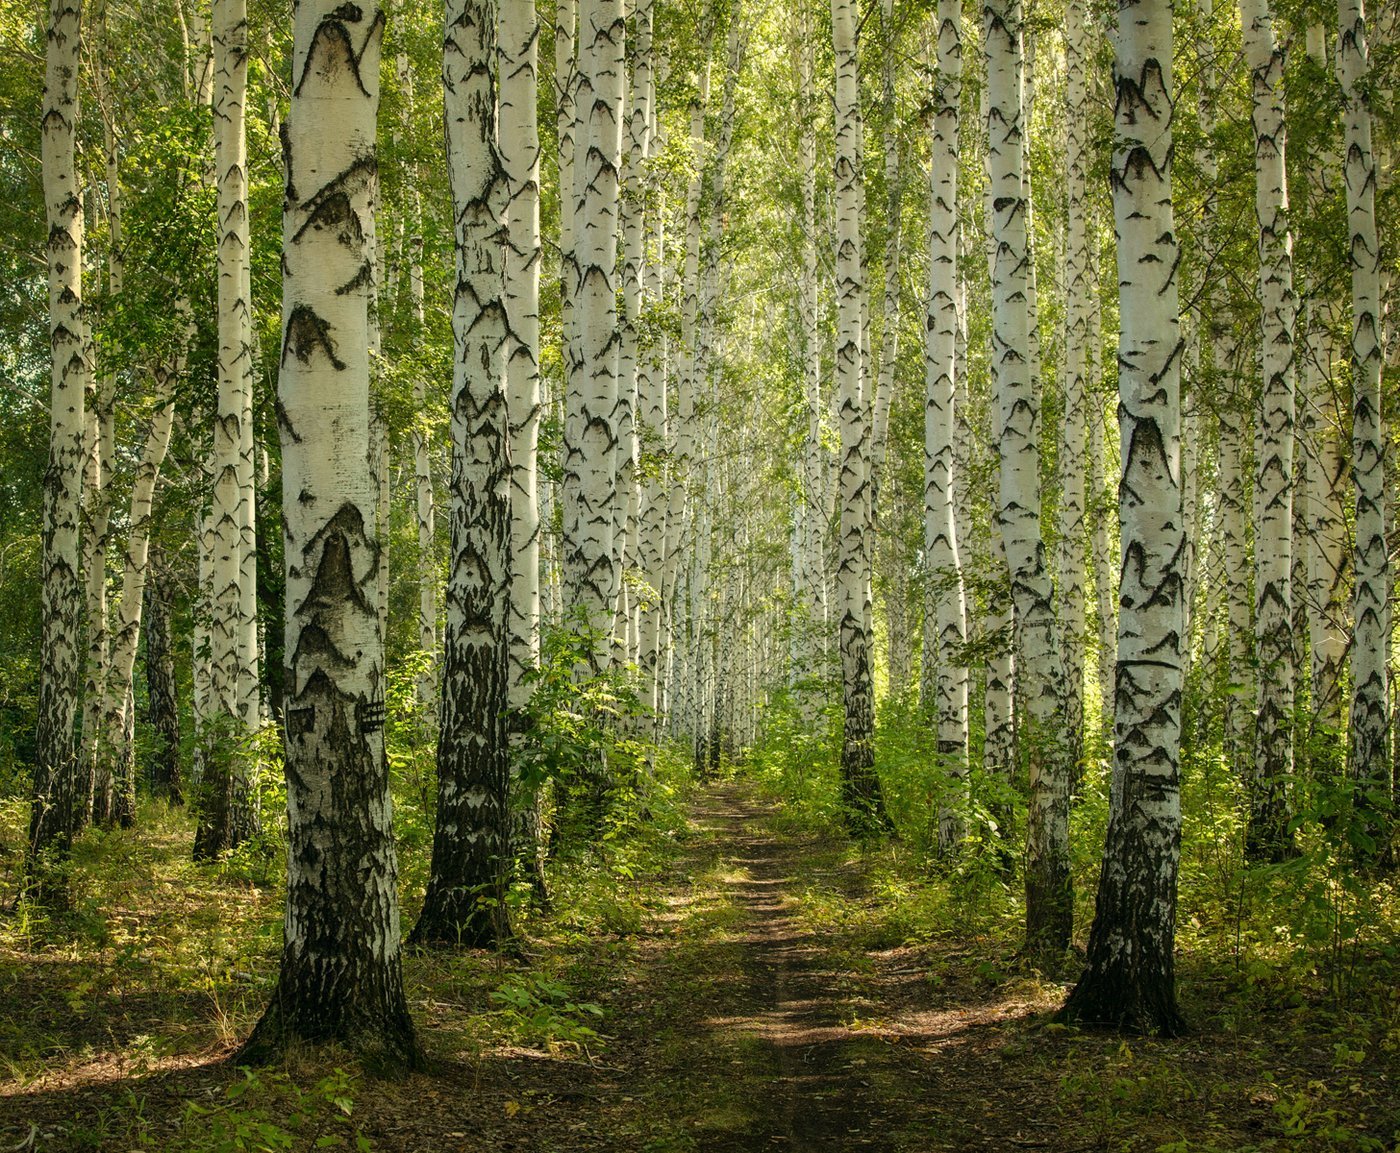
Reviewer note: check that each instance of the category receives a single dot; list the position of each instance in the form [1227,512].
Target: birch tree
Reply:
[225,820]
[590,426]
[55,804]
[341,974]
[1267,835]
[1370,605]
[1049,896]
[944,688]
[1130,979]
[860,786]
[465,901]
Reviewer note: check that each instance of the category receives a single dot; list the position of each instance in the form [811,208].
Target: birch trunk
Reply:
[860,786]
[944,687]
[590,424]
[1049,896]
[1267,835]
[56,806]
[118,704]
[96,787]
[465,903]
[630,353]
[1370,604]
[1130,979]
[425,690]
[163,707]
[233,714]
[1075,378]
[341,971]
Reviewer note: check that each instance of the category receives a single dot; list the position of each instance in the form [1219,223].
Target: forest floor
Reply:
[746,1006]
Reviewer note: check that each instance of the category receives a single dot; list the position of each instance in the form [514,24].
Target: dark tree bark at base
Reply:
[326,1001]
[1049,908]
[1112,998]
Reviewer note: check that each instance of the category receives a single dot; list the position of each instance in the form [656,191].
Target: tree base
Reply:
[384,1042]
[462,920]
[1114,1002]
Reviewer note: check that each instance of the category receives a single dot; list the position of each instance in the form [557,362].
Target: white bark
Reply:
[1273,553]
[1049,904]
[53,817]
[520,159]
[945,674]
[341,975]
[860,786]
[1370,606]
[590,423]
[1130,978]
[1078,289]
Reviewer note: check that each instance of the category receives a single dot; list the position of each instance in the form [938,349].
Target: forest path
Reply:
[746,1025]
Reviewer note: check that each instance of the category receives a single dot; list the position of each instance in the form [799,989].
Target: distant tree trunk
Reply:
[226,819]
[163,707]
[1078,289]
[341,972]
[1101,512]
[465,902]
[118,706]
[944,687]
[1130,979]
[1370,605]
[1049,895]
[56,805]
[1267,836]
[425,688]
[96,788]
[860,786]
[631,369]
[814,637]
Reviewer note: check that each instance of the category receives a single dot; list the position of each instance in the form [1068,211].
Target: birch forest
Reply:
[697,574]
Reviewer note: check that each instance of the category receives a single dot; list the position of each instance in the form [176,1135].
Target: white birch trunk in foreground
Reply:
[1049,896]
[944,688]
[341,973]
[54,812]
[1130,980]
[1370,606]
[1267,836]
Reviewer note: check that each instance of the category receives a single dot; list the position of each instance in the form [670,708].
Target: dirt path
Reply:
[744,1012]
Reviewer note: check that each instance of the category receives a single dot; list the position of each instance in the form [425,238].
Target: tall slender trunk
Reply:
[96,788]
[226,814]
[56,805]
[944,687]
[590,424]
[341,973]
[162,702]
[1075,377]
[118,705]
[631,372]
[465,902]
[1268,836]
[1049,896]
[1130,979]
[519,147]
[860,786]
[1370,604]
[425,689]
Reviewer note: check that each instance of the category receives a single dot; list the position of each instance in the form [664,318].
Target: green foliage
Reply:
[540,1011]
[268,1113]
